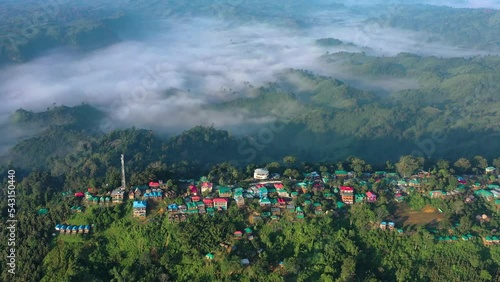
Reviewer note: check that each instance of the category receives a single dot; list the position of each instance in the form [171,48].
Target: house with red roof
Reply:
[209,203]
[220,203]
[278,186]
[79,194]
[206,187]
[153,184]
[371,197]
[281,202]
[347,194]
[193,190]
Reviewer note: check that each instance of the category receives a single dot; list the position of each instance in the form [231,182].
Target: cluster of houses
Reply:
[389,226]
[448,239]
[491,240]
[72,229]
[273,198]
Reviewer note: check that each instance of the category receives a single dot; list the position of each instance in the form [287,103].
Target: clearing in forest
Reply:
[426,216]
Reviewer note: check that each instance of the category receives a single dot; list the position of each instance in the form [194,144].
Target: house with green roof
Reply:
[436,193]
[399,198]
[414,183]
[490,169]
[484,194]
[341,173]
[211,211]
[299,213]
[359,198]
[274,201]
[224,192]
[238,190]
[263,192]
[264,202]
[402,183]
[493,186]
[340,205]
[42,211]
[283,193]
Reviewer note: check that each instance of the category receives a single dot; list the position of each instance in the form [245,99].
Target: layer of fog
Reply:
[169,79]
[473,4]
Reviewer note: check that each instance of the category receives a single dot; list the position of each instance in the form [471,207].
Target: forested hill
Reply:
[450,110]
[482,30]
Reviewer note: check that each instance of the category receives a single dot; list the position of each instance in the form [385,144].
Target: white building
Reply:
[261,173]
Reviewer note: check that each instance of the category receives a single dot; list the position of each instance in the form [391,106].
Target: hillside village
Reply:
[268,197]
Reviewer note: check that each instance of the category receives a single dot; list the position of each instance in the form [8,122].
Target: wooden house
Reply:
[117,196]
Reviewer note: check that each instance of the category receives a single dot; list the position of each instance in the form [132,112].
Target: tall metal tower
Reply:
[123,173]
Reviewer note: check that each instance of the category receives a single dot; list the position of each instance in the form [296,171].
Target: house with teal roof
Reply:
[224,192]
[263,192]
[493,186]
[402,183]
[283,193]
[490,169]
[359,198]
[485,194]
[436,193]
[265,202]
[299,213]
[341,173]
[414,183]
[340,205]
[139,208]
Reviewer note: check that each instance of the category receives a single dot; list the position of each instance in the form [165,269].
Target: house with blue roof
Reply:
[139,208]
